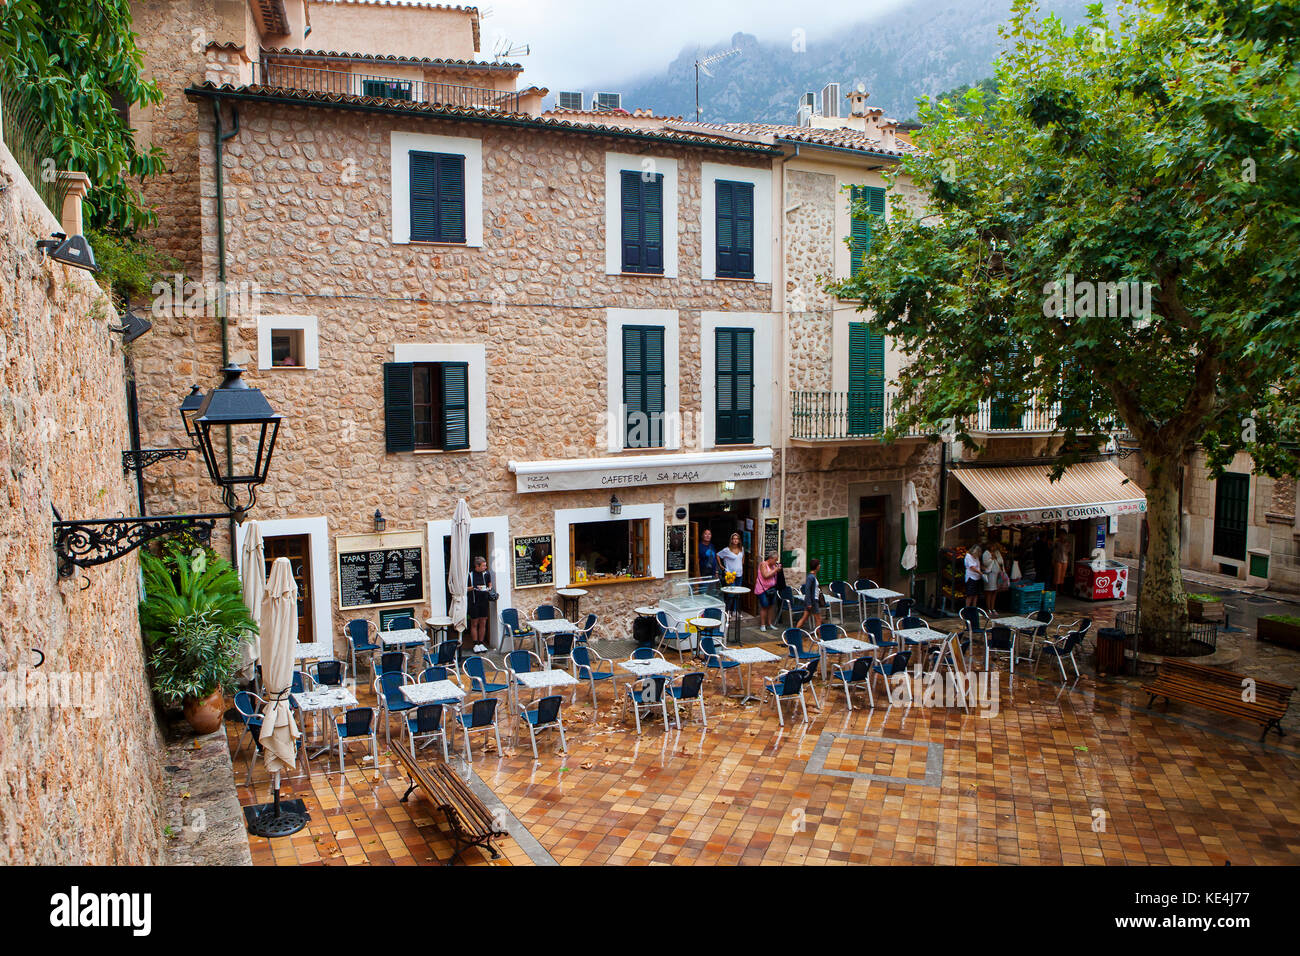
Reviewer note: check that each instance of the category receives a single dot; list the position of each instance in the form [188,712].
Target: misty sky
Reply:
[578,43]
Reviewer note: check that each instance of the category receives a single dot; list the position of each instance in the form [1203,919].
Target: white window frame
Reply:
[399,194]
[308,325]
[761,179]
[669,321]
[571,516]
[473,355]
[615,164]
[763,325]
[317,531]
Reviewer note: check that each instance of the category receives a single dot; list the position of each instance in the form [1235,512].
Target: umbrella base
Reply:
[276,819]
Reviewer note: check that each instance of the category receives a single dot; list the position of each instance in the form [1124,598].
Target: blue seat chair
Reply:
[330,673]
[901,608]
[647,654]
[559,647]
[546,612]
[357,723]
[890,665]
[444,655]
[513,630]
[481,718]
[793,603]
[590,666]
[877,630]
[645,695]
[544,715]
[427,723]
[846,596]
[856,674]
[977,623]
[391,661]
[793,638]
[1000,640]
[787,685]
[437,673]
[404,623]
[482,674]
[688,690]
[1062,647]
[521,662]
[587,629]
[715,661]
[361,640]
[249,708]
[829,632]
[388,691]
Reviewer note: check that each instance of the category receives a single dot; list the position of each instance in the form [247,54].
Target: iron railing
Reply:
[315,80]
[32,147]
[1193,640]
[833,416]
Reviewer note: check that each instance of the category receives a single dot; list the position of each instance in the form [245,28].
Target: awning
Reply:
[1025,494]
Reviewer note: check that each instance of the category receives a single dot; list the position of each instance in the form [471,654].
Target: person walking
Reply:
[480,604]
[974,577]
[812,596]
[765,589]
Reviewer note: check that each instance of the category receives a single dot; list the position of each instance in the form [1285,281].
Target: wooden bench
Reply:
[470,821]
[1222,692]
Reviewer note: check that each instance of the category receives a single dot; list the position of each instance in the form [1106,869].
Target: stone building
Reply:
[606,330]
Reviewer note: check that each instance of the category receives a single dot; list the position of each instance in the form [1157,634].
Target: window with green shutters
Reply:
[1231,515]
[862,220]
[643,386]
[734,419]
[643,222]
[1002,404]
[866,400]
[387,89]
[437,197]
[828,542]
[426,406]
[734,207]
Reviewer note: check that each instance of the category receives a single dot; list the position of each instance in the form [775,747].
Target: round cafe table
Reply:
[733,593]
[569,598]
[438,627]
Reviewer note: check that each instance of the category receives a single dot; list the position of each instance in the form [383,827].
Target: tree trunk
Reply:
[1164,602]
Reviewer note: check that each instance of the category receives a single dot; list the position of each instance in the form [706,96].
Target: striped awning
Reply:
[1026,494]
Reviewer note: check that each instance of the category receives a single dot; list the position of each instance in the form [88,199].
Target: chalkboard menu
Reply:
[675,551]
[534,561]
[383,576]
[771,536]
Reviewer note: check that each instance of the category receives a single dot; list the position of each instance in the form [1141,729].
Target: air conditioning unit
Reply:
[607,102]
[568,100]
[809,100]
[831,100]
[805,115]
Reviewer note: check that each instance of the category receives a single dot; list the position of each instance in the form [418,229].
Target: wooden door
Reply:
[297,548]
[872,539]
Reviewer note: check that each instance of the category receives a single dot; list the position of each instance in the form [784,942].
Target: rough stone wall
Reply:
[809,259]
[79,748]
[308,219]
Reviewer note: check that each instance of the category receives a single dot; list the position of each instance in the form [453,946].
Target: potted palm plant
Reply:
[194,668]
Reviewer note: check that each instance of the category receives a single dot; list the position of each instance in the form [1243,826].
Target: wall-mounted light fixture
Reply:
[72,251]
[380,522]
[615,506]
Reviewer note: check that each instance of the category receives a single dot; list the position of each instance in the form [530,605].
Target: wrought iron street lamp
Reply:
[189,407]
[250,425]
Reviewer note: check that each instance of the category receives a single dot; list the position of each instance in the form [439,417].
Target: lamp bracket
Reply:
[133,460]
[84,544]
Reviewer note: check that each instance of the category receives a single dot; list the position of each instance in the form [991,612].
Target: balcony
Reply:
[864,416]
[314,80]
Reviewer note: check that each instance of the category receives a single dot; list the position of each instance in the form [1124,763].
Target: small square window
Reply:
[287,348]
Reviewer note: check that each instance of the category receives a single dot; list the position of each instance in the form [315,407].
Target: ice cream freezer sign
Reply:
[631,477]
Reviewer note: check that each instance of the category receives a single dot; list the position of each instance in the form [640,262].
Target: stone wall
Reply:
[80,752]
[308,220]
[809,257]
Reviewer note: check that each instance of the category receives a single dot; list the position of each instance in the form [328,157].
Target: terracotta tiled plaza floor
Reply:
[1062,773]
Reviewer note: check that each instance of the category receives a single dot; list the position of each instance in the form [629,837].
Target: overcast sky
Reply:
[578,43]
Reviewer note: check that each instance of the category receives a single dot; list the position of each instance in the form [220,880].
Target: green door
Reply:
[828,542]
[1231,515]
[927,542]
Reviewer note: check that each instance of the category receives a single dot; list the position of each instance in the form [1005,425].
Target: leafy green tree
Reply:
[74,62]
[1160,146]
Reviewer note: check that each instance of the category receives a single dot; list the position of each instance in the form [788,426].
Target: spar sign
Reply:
[1067,513]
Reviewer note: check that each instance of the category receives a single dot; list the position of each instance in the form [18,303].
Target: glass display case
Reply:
[687,598]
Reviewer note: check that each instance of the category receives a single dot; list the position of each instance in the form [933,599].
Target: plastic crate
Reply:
[1049,601]
[1026,600]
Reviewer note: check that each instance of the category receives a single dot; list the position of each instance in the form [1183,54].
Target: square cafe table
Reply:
[324,698]
[403,637]
[649,667]
[749,656]
[845,645]
[1018,625]
[878,595]
[545,678]
[922,635]
[433,692]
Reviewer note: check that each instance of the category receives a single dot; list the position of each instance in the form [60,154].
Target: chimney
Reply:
[858,101]
[77,185]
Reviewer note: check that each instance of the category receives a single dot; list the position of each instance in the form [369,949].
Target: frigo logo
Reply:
[78,910]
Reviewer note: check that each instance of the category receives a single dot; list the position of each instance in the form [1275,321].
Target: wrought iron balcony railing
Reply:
[847,416]
[313,79]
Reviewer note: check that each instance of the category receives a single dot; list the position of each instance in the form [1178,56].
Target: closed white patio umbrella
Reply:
[458,569]
[279,731]
[911,522]
[252,576]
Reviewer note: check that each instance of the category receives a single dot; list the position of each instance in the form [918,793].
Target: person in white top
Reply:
[973,576]
[732,558]
[993,567]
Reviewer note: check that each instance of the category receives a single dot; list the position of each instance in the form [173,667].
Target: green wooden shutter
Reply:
[1231,515]
[927,542]
[455,406]
[866,400]
[451,198]
[643,386]
[726,229]
[735,230]
[437,197]
[1002,411]
[734,416]
[652,207]
[399,416]
[633,244]
[861,220]
[828,541]
[642,206]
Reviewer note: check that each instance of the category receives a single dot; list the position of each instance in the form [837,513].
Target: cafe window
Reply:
[426,406]
[734,424]
[734,211]
[643,222]
[606,552]
[437,197]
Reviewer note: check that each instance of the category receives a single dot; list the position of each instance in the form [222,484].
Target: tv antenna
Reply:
[505,49]
[703,64]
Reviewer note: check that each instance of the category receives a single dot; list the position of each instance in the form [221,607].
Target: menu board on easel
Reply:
[771,537]
[534,561]
[675,549]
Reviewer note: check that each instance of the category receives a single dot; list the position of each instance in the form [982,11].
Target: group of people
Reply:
[769,579]
[987,570]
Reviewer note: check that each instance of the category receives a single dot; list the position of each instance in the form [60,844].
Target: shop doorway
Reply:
[724,518]
[297,548]
[1231,515]
[479,547]
[873,539]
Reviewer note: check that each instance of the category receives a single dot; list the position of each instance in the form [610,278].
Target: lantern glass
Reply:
[189,408]
[237,429]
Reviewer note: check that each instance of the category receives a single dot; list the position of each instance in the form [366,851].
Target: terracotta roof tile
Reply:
[774,132]
[394,59]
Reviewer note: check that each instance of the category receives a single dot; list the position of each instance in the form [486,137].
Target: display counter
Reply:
[1108,584]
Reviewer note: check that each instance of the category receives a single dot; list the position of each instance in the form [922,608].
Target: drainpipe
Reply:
[783,338]
[219,137]
[943,522]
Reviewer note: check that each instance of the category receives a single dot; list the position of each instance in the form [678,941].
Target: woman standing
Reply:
[974,577]
[731,559]
[765,589]
[480,604]
[992,566]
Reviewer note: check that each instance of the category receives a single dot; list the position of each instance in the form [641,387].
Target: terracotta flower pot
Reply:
[205,714]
